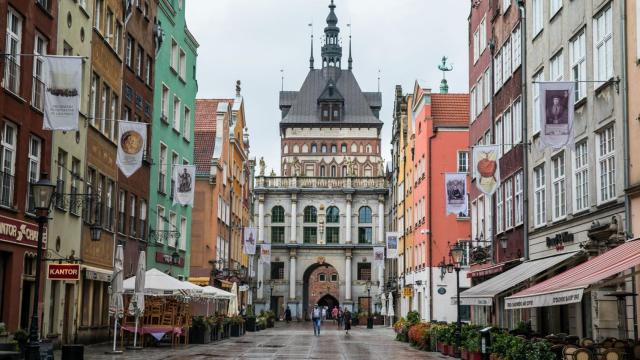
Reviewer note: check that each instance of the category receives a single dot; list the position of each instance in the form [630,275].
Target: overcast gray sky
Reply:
[252,40]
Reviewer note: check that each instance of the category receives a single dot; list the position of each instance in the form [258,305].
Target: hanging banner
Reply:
[184,176]
[456,193]
[486,169]
[265,253]
[131,145]
[62,84]
[557,113]
[392,245]
[378,256]
[250,241]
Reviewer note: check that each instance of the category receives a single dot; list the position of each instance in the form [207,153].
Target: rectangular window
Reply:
[463,161]
[132,215]
[13,47]
[164,105]
[365,235]
[118,38]
[472,104]
[516,117]
[364,271]
[581,176]
[603,46]
[537,78]
[97,16]
[505,5]
[538,22]
[556,67]
[162,169]
[476,45]
[111,126]
[143,219]
[518,198]
[508,203]
[35,148]
[183,233]
[499,210]
[333,235]
[554,7]
[478,97]
[104,106]
[175,159]
[109,26]
[507,131]
[109,204]
[540,206]
[277,234]
[558,190]
[160,221]
[277,270]
[61,180]
[482,29]
[147,71]
[506,60]
[37,93]
[128,51]
[516,48]
[88,189]
[487,86]
[497,72]
[139,61]
[93,98]
[606,165]
[172,227]
[174,55]
[310,235]
[498,136]
[183,65]
[578,61]
[122,199]
[176,113]
[186,128]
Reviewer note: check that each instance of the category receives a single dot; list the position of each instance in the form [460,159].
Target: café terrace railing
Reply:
[304,182]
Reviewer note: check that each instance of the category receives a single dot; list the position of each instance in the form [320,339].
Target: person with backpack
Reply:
[347,320]
[316,317]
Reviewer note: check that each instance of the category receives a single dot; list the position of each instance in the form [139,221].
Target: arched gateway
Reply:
[321,286]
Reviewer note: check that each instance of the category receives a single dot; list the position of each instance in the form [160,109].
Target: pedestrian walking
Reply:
[347,320]
[334,315]
[316,317]
[287,315]
[340,318]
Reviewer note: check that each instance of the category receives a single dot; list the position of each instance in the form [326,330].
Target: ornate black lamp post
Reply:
[370,310]
[42,194]
[456,253]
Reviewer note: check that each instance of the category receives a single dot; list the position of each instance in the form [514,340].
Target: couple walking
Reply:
[318,314]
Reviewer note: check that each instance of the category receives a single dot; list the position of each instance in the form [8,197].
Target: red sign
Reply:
[20,232]
[63,272]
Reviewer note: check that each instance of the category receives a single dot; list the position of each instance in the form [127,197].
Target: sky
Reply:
[253,40]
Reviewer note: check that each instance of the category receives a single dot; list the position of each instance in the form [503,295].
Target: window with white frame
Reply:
[35,153]
[162,169]
[578,61]
[37,92]
[183,233]
[506,60]
[537,78]
[482,29]
[539,198]
[499,210]
[173,227]
[183,65]
[128,51]
[97,15]
[516,117]
[497,72]
[505,5]
[606,165]
[558,194]
[516,47]
[108,25]
[603,46]
[476,45]
[164,105]
[538,22]
[507,130]
[159,221]
[472,104]
[9,138]
[498,136]
[478,97]
[186,128]
[463,161]
[508,203]
[174,54]
[176,113]
[13,48]
[519,218]
[556,67]
[487,87]
[93,98]
[140,61]
[581,176]
[554,7]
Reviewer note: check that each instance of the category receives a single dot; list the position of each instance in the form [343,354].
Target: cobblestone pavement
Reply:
[293,341]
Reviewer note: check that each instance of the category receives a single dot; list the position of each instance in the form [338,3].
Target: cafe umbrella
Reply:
[116,304]
[136,306]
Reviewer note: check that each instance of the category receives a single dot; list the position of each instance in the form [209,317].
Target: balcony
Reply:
[287,182]
[37,98]
[11,80]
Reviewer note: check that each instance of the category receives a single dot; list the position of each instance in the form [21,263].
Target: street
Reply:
[293,341]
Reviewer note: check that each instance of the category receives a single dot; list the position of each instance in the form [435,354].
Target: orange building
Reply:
[441,145]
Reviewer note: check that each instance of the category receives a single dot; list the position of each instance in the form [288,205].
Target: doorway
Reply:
[330,302]
[320,282]
[277,305]
[67,320]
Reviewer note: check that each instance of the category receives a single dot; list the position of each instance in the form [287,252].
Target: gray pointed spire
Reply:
[311,58]
[350,58]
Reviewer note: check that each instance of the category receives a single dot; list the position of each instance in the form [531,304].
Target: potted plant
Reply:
[417,335]
[500,345]
[200,332]
[236,323]
[4,336]
[271,318]
[22,338]
[470,344]
[262,322]
[250,320]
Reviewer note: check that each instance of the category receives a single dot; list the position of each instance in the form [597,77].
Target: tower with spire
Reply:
[332,50]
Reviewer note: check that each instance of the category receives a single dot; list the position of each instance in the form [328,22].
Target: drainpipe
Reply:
[625,149]
[525,135]
[430,234]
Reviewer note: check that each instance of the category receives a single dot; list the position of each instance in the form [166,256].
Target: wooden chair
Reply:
[587,343]
[620,345]
[611,354]
[607,343]
[154,315]
[568,351]
[582,354]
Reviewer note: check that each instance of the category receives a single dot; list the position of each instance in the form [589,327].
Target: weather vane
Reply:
[444,87]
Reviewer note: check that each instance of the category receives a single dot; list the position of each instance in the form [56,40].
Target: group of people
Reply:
[341,317]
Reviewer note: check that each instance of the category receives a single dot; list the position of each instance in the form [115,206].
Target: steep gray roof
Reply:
[302,107]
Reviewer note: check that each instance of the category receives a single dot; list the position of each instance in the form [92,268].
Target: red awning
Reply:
[568,287]
[485,271]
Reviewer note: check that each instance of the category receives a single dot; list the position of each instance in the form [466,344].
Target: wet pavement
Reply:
[293,341]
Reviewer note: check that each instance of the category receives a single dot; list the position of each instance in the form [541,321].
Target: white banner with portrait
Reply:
[378,257]
[249,240]
[131,145]
[265,253]
[486,167]
[556,110]
[62,77]
[184,178]
[456,194]
[392,245]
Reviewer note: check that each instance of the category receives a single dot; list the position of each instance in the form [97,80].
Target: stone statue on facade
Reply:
[296,166]
[262,166]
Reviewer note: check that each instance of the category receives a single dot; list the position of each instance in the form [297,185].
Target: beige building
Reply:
[68,160]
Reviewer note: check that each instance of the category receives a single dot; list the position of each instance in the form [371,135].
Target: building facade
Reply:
[172,142]
[61,298]
[325,214]
[27,28]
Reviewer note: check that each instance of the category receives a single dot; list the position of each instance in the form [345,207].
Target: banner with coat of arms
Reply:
[486,167]
[184,178]
[250,240]
[131,146]
[265,253]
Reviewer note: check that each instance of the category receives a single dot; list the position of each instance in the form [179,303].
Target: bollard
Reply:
[485,343]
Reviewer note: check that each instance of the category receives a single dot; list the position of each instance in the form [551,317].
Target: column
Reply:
[292,275]
[348,222]
[380,220]
[260,220]
[294,216]
[260,289]
[347,276]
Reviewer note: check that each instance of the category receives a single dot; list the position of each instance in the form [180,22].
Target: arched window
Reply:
[305,148]
[286,149]
[344,170]
[333,215]
[368,149]
[365,233]
[334,148]
[354,148]
[322,173]
[368,171]
[314,148]
[310,231]
[333,171]
[323,148]
[277,224]
[343,148]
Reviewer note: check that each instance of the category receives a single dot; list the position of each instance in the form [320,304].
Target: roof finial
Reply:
[350,58]
[444,87]
[311,58]
[238,88]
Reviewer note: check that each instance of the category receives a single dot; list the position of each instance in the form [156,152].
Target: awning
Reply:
[202,281]
[489,270]
[568,287]
[483,293]
[97,274]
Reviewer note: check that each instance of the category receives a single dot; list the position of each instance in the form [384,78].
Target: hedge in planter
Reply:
[509,347]
[236,322]
[200,332]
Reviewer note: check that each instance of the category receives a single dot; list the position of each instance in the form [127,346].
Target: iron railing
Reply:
[37,98]
[11,80]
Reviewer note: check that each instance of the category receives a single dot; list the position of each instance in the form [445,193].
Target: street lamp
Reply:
[456,255]
[42,192]
[370,317]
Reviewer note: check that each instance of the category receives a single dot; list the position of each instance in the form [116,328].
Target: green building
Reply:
[172,138]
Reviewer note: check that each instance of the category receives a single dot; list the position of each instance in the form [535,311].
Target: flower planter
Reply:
[474,355]
[235,330]
[445,349]
[251,324]
[199,335]
[464,355]
[440,347]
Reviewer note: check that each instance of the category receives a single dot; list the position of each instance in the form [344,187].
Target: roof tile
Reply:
[450,109]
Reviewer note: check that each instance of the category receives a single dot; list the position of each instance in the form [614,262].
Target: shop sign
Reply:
[163,258]
[406,291]
[63,272]
[560,240]
[20,232]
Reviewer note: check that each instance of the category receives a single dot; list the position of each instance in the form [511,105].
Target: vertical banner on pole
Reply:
[456,193]
[556,108]
[62,83]
[378,256]
[392,245]
[486,168]
[131,145]
[265,253]
[249,240]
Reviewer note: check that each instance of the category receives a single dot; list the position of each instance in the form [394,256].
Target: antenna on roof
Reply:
[282,78]
[378,80]
[311,58]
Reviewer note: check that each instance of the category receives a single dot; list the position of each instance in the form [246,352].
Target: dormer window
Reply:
[331,111]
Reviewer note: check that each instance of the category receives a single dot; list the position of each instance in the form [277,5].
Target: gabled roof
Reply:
[450,109]
[304,103]
[205,132]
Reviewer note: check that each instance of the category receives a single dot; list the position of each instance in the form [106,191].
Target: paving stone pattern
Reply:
[293,341]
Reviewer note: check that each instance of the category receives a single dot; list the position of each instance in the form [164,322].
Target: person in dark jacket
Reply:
[347,320]
[287,315]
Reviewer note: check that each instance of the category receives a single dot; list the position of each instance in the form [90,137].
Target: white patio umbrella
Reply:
[193,289]
[383,300]
[116,305]
[233,302]
[157,283]
[213,293]
[390,311]
[136,306]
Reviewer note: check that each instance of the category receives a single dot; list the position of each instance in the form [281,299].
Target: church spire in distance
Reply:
[350,58]
[331,50]
[311,58]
